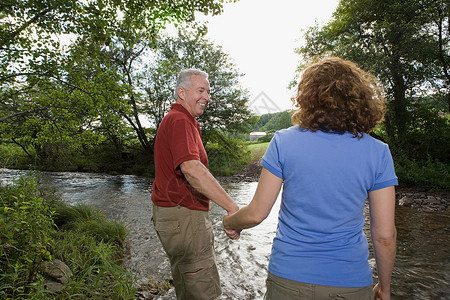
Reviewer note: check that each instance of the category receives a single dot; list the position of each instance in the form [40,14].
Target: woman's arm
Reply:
[259,208]
[384,236]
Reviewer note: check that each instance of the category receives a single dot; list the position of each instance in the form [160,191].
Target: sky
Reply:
[260,37]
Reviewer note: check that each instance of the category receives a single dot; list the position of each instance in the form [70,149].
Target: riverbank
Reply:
[51,250]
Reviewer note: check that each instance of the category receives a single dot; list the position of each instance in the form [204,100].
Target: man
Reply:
[182,191]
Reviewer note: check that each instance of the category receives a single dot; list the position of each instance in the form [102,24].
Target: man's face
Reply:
[196,97]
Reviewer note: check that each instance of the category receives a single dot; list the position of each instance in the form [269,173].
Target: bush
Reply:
[226,156]
[34,226]
[12,156]
[87,219]
[25,230]
[268,137]
[96,275]
[430,174]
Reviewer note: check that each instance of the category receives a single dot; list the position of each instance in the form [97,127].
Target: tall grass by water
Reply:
[36,227]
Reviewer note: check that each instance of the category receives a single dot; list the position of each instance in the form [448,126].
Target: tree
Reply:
[227,110]
[405,43]
[278,121]
[49,93]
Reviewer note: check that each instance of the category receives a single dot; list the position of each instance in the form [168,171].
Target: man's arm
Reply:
[202,180]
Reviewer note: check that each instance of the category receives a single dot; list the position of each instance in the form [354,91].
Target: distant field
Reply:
[257,151]
[262,146]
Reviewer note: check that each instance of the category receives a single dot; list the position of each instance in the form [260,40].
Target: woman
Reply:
[328,166]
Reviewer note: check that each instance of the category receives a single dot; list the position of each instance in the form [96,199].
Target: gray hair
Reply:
[184,79]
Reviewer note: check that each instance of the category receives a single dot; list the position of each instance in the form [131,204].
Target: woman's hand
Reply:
[378,293]
[232,234]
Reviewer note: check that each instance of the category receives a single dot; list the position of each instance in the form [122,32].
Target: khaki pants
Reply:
[284,289]
[188,240]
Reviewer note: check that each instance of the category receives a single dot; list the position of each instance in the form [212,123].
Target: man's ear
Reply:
[181,93]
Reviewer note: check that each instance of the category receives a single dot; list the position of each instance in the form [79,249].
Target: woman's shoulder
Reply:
[295,129]
[374,141]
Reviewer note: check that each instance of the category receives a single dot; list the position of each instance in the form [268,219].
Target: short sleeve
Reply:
[386,173]
[271,159]
[183,142]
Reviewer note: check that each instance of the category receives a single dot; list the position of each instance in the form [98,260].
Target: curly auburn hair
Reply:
[335,94]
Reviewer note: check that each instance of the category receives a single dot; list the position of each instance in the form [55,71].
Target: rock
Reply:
[431,200]
[406,201]
[53,285]
[144,295]
[56,271]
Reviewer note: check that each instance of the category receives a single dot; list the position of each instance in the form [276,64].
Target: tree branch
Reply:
[13,34]
[22,113]
[21,146]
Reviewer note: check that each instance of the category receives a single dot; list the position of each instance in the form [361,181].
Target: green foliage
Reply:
[89,220]
[274,121]
[25,231]
[226,156]
[430,174]
[12,156]
[227,110]
[69,103]
[422,160]
[83,90]
[257,151]
[268,137]
[404,43]
[429,132]
[90,245]
[96,274]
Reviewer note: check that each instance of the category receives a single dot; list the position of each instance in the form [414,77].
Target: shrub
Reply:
[25,231]
[34,226]
[268,137]
[90,220]
[431,174]
[226,156]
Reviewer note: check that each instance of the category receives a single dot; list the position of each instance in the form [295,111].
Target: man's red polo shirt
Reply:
[178,140]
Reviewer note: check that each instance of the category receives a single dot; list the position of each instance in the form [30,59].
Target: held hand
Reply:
[378,293]
[232,234]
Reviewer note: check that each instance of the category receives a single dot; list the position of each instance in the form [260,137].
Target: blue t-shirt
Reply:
[326,180]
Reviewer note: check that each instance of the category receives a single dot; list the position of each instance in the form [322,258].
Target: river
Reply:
[422,269]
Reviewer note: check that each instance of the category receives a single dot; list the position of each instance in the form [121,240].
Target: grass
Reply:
[257,151]
[37,227]
[258,146]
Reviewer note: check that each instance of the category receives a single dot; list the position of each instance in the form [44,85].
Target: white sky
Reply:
[260,36]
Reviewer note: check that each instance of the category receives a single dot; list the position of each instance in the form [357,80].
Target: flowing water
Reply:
[422,265]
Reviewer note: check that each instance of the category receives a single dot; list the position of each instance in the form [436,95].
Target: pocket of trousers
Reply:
[169,233]
[277,291]
[203,238]
[201,281]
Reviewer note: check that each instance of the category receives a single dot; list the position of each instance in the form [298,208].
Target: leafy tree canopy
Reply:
[405,43]
[227,109]
[67,67]
[274,121]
